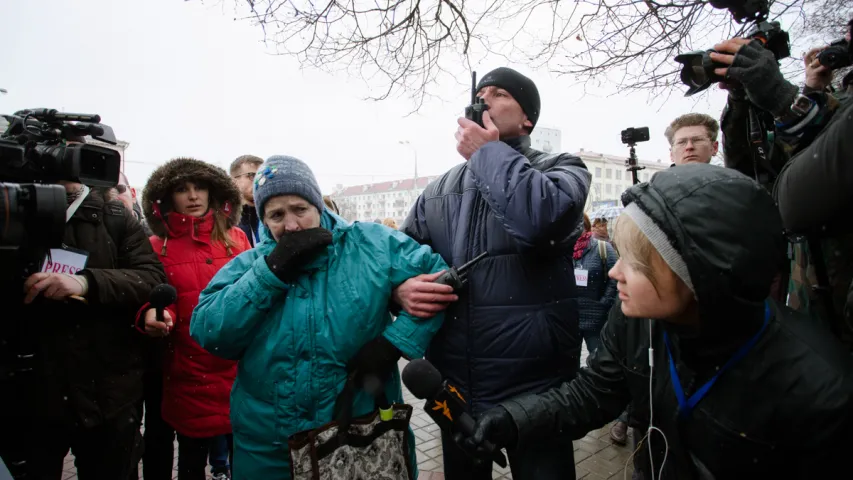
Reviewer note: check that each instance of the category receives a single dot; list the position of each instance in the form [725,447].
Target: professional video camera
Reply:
[698,68]
[631,137]
[40,147]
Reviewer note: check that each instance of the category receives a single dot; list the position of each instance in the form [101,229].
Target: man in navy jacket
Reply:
[514,328]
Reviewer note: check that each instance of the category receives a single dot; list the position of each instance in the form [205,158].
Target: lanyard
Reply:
[686,405]
[84,192]
[256,232]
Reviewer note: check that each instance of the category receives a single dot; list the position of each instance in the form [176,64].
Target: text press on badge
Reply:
[65,260]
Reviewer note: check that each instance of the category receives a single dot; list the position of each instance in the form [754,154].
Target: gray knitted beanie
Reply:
[283,175]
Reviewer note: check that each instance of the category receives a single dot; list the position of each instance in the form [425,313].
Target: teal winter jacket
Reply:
[293,341]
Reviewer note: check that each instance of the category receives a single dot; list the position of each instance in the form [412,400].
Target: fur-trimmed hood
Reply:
[156,197]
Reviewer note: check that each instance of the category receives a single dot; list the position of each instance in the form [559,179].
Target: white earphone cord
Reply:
[648,436]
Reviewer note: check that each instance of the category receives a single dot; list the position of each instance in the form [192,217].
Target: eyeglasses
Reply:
[249,175]
[696,141]
[121,188]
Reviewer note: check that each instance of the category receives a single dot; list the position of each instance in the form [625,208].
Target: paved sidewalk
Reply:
[596,458]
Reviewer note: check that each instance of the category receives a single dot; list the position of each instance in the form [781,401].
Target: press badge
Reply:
[581,277]
[65,260]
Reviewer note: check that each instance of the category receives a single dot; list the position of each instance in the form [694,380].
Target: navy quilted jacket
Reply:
[596,298]
[515,326]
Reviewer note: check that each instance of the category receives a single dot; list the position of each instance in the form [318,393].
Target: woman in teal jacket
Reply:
[303,309]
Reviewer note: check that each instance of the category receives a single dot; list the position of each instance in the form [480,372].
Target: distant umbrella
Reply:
[607,213]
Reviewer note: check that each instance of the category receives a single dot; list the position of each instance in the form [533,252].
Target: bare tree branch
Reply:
[406,46]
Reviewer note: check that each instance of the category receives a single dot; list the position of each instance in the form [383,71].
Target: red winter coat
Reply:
[196,384]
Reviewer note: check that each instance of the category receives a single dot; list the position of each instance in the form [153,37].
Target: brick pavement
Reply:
[596,458]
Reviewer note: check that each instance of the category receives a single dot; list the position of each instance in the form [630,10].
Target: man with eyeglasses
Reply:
[693,138]
[243,171]
[126,194]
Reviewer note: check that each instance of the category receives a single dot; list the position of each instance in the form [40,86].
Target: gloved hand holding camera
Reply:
[755,69]
[296,249]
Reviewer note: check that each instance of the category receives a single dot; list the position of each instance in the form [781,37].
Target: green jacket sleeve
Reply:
[235,304]
[405,258]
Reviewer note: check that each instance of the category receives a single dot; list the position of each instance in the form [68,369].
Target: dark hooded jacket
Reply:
[813,191]
[82,362]
[515,326]
[782,411]
[196,384]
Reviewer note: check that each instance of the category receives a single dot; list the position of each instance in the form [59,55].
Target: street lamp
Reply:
[415,151]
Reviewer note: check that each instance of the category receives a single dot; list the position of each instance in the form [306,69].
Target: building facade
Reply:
[548,140]
[610,177]
[394,199]
[377,201]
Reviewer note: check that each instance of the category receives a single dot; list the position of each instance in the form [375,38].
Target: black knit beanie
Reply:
[522,89]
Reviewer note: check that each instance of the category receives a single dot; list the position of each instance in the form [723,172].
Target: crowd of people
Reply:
[717,316]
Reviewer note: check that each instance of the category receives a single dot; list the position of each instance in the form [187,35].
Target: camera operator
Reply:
[806,166]
[71,372]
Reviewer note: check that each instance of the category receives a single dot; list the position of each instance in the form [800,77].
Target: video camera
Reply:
[631,137]
[698,68]
[39,148]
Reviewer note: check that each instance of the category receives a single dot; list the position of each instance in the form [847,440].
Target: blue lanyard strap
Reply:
[256,232]
[686,405]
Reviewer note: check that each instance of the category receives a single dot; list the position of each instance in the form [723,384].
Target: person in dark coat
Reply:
[70,360]
[807,168]
[741,386]
[593,258]
[243,170]
[514,328]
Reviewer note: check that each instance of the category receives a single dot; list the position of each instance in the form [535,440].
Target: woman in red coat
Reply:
[192,207]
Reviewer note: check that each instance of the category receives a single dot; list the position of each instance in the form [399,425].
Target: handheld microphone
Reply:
[162,296]
[444,403]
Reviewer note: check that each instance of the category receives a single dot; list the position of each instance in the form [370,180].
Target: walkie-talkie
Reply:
[458,277]
[474,112]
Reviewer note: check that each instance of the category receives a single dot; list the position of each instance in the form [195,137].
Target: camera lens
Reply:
[11,229]
[698,77]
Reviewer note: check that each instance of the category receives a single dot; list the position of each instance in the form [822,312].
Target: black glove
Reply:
[296,249]
[377,357]
[495,425]
[755,67]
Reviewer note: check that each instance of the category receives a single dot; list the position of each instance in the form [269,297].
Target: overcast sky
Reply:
[182,78]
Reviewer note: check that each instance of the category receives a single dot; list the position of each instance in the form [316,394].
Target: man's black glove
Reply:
[495,425]
[377,357]
[755,67]
[296,249]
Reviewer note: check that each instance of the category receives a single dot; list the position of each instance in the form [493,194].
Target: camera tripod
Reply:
[632,165]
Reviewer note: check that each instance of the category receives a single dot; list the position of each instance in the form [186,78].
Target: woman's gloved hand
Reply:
[377,357]
[296,249]
[494,425]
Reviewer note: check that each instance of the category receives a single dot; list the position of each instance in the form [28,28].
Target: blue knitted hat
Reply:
[283,175]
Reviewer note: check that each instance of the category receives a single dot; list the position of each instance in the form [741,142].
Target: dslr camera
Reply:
[38,149]
[697,71]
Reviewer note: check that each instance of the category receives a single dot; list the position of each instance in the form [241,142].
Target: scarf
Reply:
[581,245]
